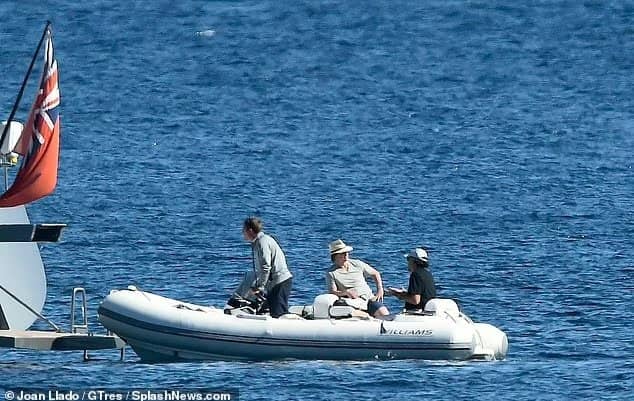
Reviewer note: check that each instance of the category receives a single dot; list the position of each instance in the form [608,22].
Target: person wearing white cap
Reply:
[421,282]
[346,278]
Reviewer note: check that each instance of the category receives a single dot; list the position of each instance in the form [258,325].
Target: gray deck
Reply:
[52,341]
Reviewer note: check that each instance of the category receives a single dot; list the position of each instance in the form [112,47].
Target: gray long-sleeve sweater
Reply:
[269,262]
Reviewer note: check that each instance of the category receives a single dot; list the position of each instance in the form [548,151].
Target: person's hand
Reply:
[255,291]
[379,295]
[352,293]
[391,291]
[396,292]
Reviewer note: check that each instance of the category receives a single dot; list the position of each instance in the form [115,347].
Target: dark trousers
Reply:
[277,298]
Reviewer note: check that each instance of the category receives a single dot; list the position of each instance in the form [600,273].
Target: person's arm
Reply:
[413,299]
[414,290]
[262,254]
[372,272]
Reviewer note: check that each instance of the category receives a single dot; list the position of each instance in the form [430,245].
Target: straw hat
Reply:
[339,246]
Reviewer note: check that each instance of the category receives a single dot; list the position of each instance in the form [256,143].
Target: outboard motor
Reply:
[237,304]
[243,301]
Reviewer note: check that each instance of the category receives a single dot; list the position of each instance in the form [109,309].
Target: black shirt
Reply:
[421,282]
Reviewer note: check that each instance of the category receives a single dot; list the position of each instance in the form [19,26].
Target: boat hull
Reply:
[161,329]
[22,273]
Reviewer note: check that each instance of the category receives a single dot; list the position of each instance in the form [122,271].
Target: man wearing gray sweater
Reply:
[269,264]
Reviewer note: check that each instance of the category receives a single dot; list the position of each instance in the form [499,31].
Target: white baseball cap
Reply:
[418,254]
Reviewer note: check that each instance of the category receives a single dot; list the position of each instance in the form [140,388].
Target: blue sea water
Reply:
[498,135]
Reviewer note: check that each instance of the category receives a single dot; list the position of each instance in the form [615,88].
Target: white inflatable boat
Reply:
[162,329]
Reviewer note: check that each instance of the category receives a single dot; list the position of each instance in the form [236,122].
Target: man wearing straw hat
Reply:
[346,278]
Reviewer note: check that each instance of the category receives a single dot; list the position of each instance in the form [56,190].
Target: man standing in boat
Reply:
[269,264]
[346,278]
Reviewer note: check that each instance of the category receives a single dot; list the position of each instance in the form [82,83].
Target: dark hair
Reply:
[419,263]
[253,223]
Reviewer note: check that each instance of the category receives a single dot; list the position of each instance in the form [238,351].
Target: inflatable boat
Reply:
[161,329]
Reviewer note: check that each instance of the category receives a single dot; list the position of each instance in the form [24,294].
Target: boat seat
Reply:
[441,306]
[322,304]
[330,306]
[341,311]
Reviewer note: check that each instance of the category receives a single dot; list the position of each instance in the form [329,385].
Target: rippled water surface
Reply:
[498,135]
